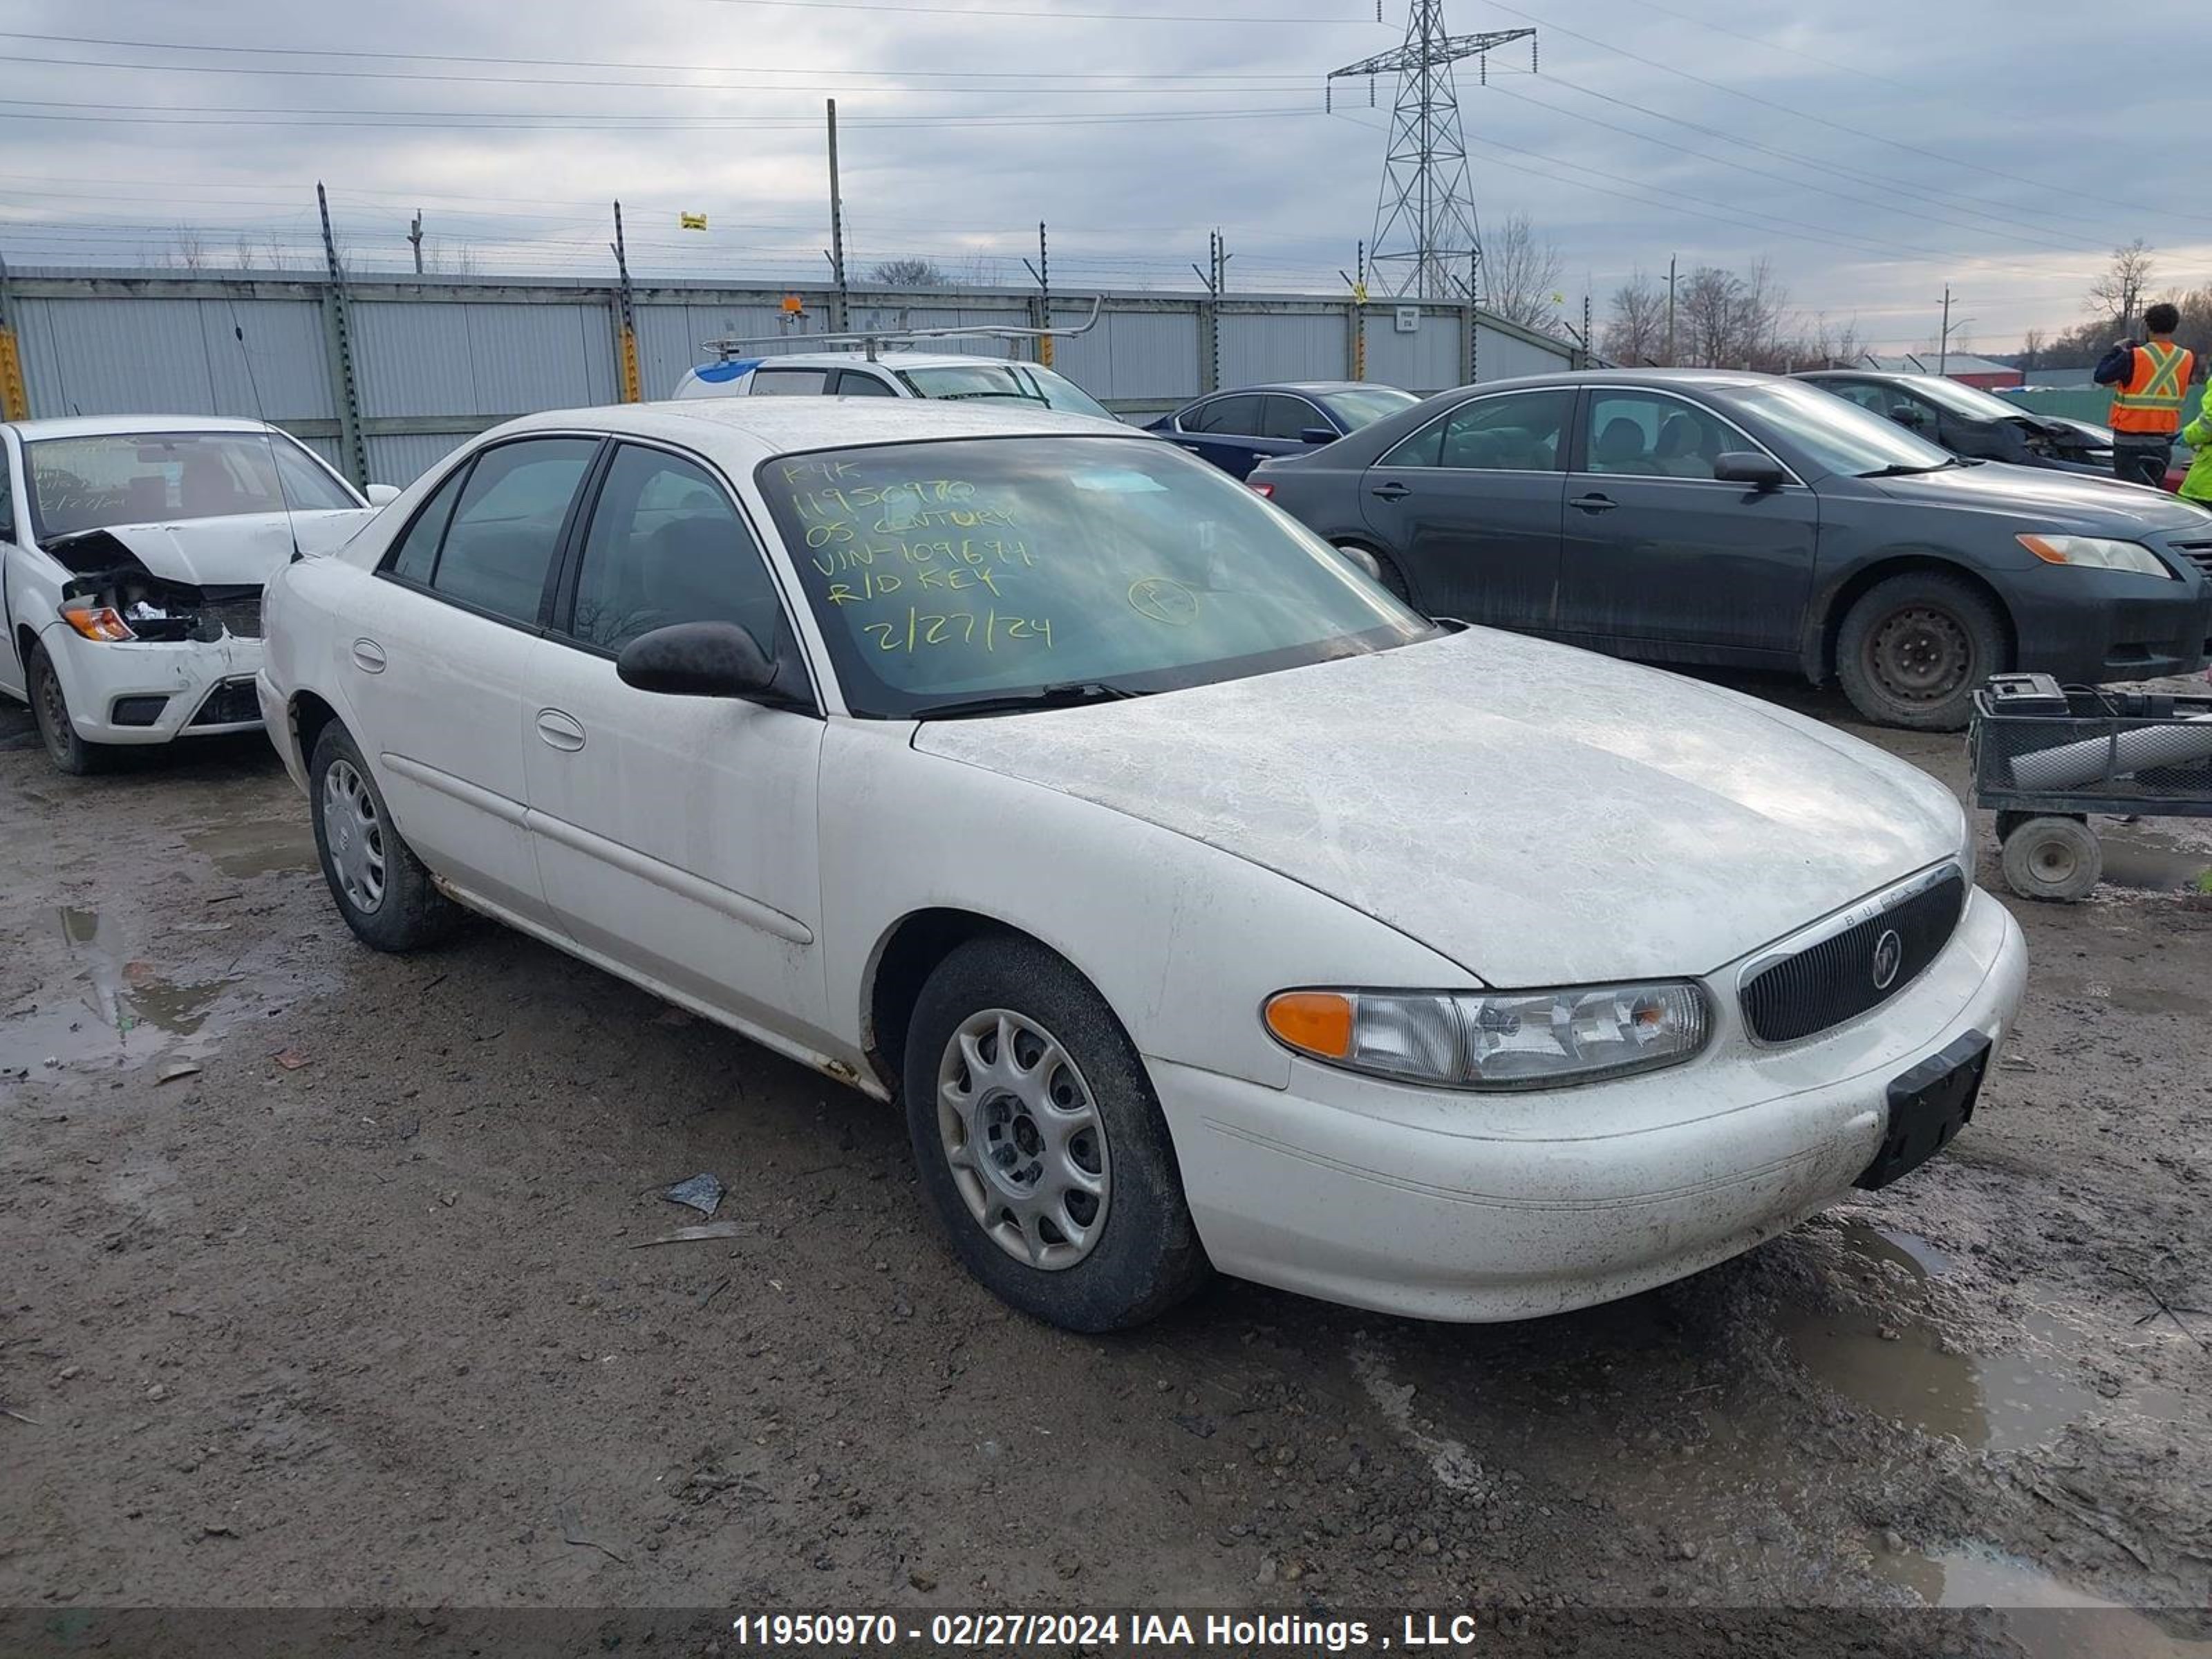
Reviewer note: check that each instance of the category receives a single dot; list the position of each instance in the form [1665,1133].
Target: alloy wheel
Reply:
[1024,1138]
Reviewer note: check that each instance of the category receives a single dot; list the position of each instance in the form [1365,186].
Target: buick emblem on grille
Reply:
[1889,957]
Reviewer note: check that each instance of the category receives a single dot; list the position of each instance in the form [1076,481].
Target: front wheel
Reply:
[1912,650]
[1041,1145]
[383,890]
[50,712]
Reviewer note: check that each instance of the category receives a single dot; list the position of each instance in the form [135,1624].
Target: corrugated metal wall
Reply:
[437,360]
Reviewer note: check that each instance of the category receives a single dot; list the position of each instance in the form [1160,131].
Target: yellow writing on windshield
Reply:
[924,629]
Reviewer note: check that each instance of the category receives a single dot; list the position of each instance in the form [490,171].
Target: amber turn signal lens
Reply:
[1313,1022]
[98,622]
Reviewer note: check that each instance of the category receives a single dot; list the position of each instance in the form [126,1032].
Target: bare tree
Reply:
[1636,333]
[275,257]
[908,273]
[189,247]
[2117,294]
[2031,348]
[1521,274]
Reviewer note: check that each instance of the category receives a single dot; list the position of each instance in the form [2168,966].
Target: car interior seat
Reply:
[1619,448]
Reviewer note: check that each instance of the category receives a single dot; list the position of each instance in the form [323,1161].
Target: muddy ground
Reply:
[363,1306]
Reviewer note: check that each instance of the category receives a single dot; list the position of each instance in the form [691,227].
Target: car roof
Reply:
[1311,388]
[101,426]
[766,427]
[855,359]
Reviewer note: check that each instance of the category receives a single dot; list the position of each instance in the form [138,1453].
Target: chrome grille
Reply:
[1849,971]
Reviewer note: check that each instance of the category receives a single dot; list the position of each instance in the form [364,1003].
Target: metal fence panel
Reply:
[115,355]
[1259,347]
[412,358]
[281,368]
[1425,361]
[1148,355]
[401,460]
[1503,355]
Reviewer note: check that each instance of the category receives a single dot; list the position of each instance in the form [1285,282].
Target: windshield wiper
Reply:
[1897,470]
[1071,694]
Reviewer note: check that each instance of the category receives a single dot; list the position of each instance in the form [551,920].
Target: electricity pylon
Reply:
[1426,243]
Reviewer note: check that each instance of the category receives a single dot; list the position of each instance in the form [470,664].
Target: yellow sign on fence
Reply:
[691,221]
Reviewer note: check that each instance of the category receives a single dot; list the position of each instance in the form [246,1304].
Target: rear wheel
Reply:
[2053,858]
[1914,647]
[1039,1142]
[382,890]
[50,712]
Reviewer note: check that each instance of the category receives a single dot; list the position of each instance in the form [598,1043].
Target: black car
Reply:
[1972,422]
[1709,517]
[1237,430]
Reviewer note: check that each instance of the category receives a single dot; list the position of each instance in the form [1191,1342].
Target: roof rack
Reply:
[871,340]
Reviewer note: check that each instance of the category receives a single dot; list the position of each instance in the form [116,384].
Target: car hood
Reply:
[2064,501]
[1540,815]
[244,550]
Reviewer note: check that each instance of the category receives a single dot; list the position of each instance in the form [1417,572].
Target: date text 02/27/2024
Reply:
[1241,1633]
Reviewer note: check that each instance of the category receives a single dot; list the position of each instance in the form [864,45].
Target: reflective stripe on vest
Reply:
[2150,400]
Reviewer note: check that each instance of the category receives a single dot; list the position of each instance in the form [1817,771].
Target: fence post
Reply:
[1209,344]
[337,334]
[15,397]
[1470,354]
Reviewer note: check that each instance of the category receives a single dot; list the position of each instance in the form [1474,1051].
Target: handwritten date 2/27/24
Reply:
[923,630]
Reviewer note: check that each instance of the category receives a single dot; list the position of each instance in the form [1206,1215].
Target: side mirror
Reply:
[1743,467]
[696,660]
[381,494]
[1906,416]
[1319,434]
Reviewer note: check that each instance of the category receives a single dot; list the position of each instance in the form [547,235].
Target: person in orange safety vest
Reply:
[2149,383]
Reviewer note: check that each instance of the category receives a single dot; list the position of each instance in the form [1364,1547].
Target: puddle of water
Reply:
[2052,1619]
[119,1008]
[2025,1397]
[258,847]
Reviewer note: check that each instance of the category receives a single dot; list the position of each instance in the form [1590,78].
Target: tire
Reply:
[382,888]
[2053,859]
[50,712]
[1105,1240]
[1914,648]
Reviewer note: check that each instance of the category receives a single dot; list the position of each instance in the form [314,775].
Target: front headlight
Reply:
[2095,553]
[1496,1039]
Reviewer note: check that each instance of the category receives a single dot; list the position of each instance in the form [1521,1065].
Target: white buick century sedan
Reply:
[1205,908]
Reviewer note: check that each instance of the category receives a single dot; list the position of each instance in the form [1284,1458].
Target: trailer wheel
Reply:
[2053,858]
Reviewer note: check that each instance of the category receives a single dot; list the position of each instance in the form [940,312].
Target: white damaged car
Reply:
[133,552]
[1203,907]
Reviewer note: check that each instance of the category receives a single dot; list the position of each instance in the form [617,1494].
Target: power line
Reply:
[1804,115]
[354,55]
[189,116]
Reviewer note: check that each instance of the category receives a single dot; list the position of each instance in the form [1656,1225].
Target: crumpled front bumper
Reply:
[206,687]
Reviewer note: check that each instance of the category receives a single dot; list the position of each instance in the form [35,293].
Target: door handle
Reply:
[1595,502]
[1391,492]
[369,656]
[560,731]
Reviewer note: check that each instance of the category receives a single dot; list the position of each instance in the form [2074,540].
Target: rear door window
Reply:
[507,525]
[789,382]
[859,383]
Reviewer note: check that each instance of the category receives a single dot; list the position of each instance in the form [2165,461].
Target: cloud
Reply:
[1874,151]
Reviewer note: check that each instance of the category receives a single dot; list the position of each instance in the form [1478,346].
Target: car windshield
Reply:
[993,568]
[1365,405]
[107,478]
[1969,401]
[997,382]
[1836,436]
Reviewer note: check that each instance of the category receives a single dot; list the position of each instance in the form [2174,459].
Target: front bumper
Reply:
[2096,628]
[1477,1208]
[203,688]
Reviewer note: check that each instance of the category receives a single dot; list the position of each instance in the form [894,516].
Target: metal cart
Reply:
[2046,758]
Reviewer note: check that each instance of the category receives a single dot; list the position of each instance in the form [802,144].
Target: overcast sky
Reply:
[1873,150]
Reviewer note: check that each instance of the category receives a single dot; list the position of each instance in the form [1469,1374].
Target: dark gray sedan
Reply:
[1709,517]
